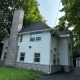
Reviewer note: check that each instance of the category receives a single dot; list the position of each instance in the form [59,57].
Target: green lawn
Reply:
[7,73]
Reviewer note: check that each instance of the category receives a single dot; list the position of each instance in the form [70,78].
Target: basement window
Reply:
[22,56]
[37,57]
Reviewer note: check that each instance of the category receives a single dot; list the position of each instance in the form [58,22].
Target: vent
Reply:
[30,46]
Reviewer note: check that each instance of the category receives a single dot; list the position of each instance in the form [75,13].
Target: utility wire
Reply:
[57,13]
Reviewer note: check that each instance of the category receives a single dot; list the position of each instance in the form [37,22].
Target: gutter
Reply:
[34,31]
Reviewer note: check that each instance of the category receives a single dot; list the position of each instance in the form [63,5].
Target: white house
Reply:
[39,47]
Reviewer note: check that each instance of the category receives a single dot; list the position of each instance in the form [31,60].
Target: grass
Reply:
[7,73]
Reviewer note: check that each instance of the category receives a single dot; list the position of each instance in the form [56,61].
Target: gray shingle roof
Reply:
[37,26]
[58,33]
[62,32]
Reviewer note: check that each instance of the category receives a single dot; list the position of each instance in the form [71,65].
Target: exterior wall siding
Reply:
[53,48]
[63,51]
[42,47]
[70,55]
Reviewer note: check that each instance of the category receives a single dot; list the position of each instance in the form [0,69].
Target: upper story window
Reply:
[21,37]
[35,37]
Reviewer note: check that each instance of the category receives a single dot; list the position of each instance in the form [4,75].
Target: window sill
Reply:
[35,41]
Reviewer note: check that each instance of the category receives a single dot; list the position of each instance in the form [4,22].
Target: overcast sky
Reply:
[49,9]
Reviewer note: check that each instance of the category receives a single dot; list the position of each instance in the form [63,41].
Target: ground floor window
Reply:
[54,58]
[5,53]
[36,57]
[22,56]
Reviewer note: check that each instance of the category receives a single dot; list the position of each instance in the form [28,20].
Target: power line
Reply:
[57,13]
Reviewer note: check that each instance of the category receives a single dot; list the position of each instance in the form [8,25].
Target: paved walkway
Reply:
[74,75]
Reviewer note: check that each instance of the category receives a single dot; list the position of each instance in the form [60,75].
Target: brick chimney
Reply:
[12,52]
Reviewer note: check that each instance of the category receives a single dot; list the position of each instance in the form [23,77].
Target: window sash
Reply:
[22,56]
[37,57]
[21,37]
[35,37]
[38,37]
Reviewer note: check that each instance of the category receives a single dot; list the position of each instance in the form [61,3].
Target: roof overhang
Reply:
[34,31]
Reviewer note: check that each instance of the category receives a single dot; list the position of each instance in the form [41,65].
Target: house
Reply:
[78,62]
[37,47]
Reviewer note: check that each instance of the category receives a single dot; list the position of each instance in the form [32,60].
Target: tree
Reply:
[72,15]
[7,8]
[71,18]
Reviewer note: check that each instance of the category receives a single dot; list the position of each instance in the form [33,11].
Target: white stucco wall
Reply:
[53,45]
[5,44]
[43,47]
[63,51]
[70,55]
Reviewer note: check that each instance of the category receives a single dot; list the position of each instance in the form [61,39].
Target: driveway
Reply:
[73,75]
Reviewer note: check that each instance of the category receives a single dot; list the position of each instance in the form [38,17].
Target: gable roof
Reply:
[34,27]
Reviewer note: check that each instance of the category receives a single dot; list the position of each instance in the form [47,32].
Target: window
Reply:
[21,38]
[69,46]
[5,53]
[22,55]
[37,57]
[54,58]
[35,37]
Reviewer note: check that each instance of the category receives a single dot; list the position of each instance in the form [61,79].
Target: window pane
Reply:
[37,55]
[33,36]
[38,37]
[21,38]
[37,60]
[22,55]
[22,58]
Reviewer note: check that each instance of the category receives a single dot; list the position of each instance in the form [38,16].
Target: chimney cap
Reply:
[19,9]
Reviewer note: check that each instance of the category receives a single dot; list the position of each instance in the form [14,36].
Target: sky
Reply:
[49,10]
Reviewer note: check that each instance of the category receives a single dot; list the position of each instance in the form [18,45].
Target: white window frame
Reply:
[22,56]
[36,35]
[37,57]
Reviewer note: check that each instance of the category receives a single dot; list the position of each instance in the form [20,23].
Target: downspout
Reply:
[49,68]
[50,50]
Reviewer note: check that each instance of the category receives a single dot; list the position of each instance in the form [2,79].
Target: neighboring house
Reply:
[37,47]
[78,62]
